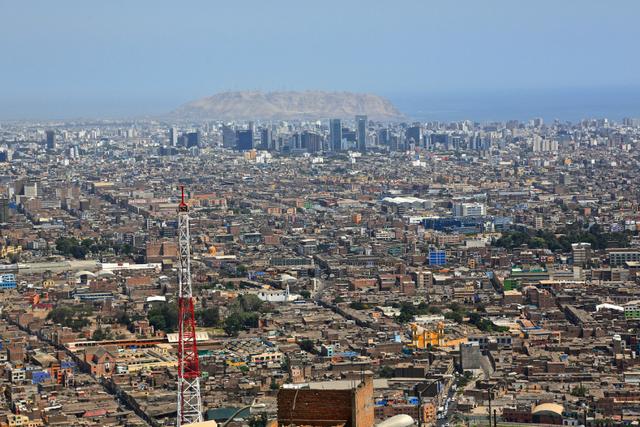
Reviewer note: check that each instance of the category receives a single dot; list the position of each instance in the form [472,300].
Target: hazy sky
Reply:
[117,57]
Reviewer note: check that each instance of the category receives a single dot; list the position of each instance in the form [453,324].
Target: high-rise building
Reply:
[335,134]
[349,138]
[414,135]
[193,139]
[439,139]
[228,137]
[265,139]
[173,137]
[4,210]
[310,141]
[361,126]
[244,139]
[581,253]
[51,140]
[384,137]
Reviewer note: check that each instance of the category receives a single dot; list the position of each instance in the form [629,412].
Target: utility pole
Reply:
[490,394]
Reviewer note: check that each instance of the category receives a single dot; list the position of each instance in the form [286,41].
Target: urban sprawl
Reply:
[344,272]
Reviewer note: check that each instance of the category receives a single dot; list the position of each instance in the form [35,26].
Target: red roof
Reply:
[95,413]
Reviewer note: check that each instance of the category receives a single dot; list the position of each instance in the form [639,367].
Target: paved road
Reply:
[450,410]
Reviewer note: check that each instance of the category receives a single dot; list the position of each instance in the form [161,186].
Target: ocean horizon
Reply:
[486,106]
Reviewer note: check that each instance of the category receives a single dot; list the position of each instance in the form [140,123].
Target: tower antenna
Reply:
[189,399]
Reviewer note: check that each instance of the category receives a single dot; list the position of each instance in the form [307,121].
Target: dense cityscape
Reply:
[345,272]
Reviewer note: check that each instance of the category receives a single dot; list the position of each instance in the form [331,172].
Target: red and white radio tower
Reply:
[189,400]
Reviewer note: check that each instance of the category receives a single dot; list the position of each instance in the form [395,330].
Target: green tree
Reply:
[386,372]
[71,317]
[233,324]
[79,252]
[579,391]
[102,334]
[307,345]
[358,305]
[209,317]
[456,316]
[60,314]
[122,317]
[247,302]
[163,317]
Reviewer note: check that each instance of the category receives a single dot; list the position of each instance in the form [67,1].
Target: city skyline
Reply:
[421,213]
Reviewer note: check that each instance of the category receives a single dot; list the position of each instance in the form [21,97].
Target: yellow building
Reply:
[16,420]
[422,338]
[235,363]
[6,251]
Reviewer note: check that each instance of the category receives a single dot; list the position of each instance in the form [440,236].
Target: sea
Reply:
[501,105]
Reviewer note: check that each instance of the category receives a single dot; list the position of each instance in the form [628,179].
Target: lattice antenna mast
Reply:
[189,400]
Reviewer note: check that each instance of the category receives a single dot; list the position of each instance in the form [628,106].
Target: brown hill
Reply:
[308,105]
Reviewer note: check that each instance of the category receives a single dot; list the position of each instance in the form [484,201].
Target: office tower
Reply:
[349,139]
[565,179]
[173,137]
[244,139]
[478,143]
[51,140]
[193,139]
[395,142]
[581,253]
[469,209]
[457,142]
[4,210]
[440,139]
[414,135]
[311,141]
[265,139]
[295,142]
[539,223]
[31,189]
[384,137]
[361,126]
[335,134]
[228,137]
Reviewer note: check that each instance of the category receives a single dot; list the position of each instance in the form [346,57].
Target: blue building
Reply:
[437,257]
[8,281]
[244,139]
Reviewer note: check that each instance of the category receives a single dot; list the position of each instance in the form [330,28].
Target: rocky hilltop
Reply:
[308,105]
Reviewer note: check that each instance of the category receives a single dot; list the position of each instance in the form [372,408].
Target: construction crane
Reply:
[189,400]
